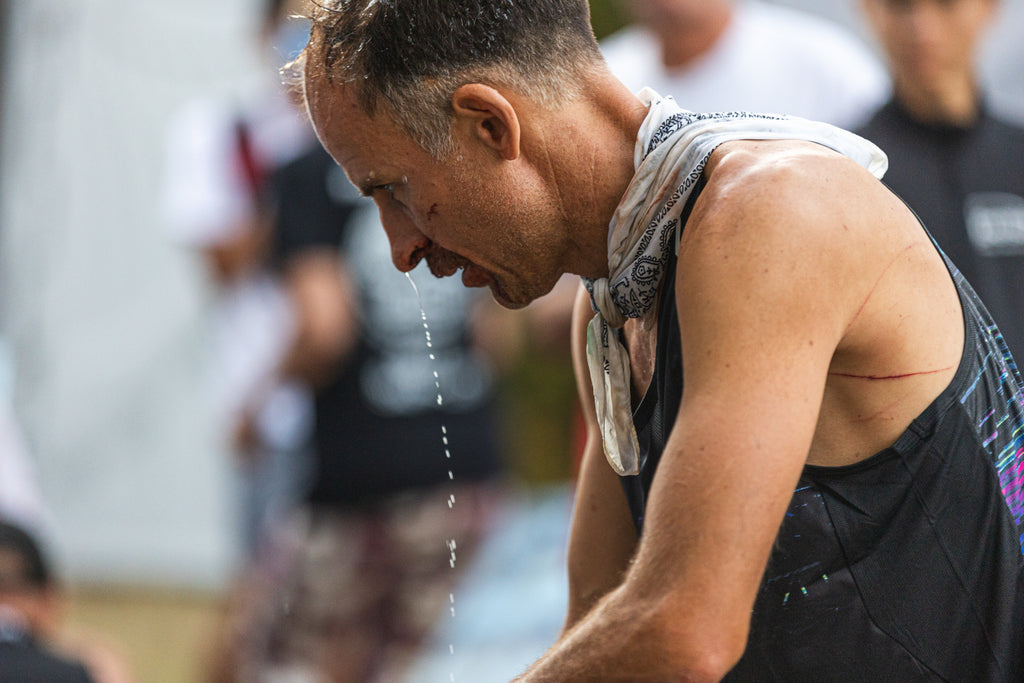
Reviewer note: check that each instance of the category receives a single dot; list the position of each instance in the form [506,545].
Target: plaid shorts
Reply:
[352,595]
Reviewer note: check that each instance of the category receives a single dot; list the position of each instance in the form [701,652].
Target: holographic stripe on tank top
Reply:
[996,396]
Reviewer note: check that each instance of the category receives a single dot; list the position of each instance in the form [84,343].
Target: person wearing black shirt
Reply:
[958,166]
[27,603]
[406,460]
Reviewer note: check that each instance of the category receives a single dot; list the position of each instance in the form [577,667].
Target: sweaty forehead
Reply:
[335,108]
[335,116]
[322,99]
[358,143]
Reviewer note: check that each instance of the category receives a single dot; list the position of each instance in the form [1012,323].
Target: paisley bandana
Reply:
[672,148]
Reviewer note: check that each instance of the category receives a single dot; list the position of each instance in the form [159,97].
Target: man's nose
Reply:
[408,244]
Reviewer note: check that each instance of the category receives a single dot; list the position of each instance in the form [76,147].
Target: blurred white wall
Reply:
[103,316]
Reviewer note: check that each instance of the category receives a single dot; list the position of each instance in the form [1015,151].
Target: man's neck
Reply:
[596,162]
[956,104]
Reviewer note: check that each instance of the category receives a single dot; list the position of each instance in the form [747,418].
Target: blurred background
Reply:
[101,340]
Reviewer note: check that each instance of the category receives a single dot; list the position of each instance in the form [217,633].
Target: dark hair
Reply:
[33,570]
[414,54]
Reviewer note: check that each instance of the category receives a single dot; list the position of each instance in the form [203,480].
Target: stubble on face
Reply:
[487,217]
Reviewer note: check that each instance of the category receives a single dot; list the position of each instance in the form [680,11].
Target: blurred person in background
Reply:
[959,167]
[29,615]
[221,154]
[726,55]
[407,464]
[33,645]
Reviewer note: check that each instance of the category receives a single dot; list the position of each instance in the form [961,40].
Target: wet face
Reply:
[471,211]
[929,41]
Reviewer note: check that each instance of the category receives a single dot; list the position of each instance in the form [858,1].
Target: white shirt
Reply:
[205,194]
[770,59]
[206,198]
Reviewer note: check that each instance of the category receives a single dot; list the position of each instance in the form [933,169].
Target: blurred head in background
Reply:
[685,28]
[931,47]
[28,593]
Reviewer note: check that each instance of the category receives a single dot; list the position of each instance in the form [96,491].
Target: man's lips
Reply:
[443,263]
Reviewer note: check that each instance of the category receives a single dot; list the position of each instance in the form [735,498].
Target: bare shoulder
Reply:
[799,211]
[784,219]
[758,182]
[796,250]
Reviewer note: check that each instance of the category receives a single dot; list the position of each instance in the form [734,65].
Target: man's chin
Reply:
[473,276]
[503,299]
[505,302]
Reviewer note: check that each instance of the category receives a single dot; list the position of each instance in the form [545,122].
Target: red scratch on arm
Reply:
[880,414]
[875,377]
[878,281]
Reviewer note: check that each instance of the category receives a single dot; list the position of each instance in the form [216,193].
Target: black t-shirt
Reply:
[22,660]
[379,429]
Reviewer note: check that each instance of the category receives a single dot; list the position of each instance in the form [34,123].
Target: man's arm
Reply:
[762,309]
[327,325]
[323,300]
[603,537]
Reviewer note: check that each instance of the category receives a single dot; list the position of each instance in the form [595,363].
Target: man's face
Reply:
[929,41]
[468,211]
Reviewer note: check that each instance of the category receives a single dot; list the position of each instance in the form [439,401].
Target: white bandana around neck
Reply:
[672,148]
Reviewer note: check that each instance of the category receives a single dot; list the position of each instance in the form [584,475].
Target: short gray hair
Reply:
[414,54]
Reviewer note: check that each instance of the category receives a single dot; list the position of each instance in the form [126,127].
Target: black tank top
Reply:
[906,566]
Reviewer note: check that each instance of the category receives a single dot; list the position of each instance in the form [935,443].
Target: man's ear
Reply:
[489,117]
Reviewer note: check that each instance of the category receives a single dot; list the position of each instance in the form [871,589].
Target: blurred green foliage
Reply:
[607,16]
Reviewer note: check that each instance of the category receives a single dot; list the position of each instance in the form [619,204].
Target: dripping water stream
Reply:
[450,543]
